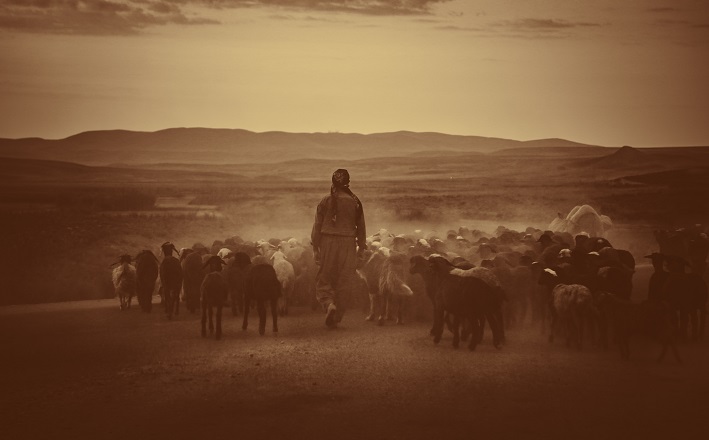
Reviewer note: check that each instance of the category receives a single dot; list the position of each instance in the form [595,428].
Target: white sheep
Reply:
[224,253]
[393,288]
[124,281]
[286,276]
[571,307]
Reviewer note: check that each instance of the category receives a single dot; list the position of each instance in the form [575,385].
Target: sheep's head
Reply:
[549,277]
[418,264]
[439,264]
[145,253]
[214,263]
[185,253]
[168,248]
[241,259]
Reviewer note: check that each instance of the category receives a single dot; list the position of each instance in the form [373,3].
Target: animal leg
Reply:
[694,321]
[234,305]
[274,315]
[261,307]
[438,323]
[219,322]
[382,301]
[372,307]
[475,330]
[456,331]
[210,312]
[204,320]
[247,307]
[176,300]
[400,310]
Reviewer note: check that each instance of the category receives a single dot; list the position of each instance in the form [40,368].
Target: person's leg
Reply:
[326,279]
[346,286]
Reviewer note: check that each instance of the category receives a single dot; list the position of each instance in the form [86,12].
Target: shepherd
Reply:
[338,238]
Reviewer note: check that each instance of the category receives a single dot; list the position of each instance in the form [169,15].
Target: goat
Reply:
[124,281]
[262,286]
[192,276]
[171,279]
[650,316]
[286,276]
[213,292]
[393,288]
[146,271]
[466,297]
[571,307]
[235,274]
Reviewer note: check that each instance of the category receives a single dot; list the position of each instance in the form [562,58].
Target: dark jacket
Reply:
[349,222]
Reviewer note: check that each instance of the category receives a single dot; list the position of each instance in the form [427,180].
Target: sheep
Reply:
[235,274]
[124,281]
[370,271]
[393,287]
[466,297]
[419,265]
[192,276]
[653,317]
[522,289]
[224,253]
[687,295]
[213,293]
[286,276]
[571,305]
[171,279]
[261,285]
[146,270]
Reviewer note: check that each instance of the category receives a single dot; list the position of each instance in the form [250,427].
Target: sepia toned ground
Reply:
[86,370]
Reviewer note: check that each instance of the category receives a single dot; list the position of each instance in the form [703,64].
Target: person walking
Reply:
[338,238]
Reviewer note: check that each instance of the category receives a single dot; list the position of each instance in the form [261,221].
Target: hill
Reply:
[22,171]
[695,177]
[234,146]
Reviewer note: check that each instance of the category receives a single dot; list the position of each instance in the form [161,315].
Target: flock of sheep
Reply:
[567,285]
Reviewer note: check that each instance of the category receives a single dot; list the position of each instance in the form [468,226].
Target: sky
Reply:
[603,72]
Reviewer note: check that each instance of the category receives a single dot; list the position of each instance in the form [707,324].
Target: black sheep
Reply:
[146,269]
[171,279]
[213,292]
[262,286]
[466,297]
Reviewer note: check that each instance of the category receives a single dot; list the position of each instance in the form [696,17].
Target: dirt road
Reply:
[85,370]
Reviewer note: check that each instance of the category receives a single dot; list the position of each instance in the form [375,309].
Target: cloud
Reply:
[364,7]
[91,17]
[124,17]
[544,24]
[522,28]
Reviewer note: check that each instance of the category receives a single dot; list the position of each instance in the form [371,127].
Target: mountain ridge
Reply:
[224,145]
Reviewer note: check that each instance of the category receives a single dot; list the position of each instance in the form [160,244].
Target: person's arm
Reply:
[361,234]
[315,234]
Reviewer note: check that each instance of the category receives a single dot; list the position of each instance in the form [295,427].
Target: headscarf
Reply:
[341,182]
